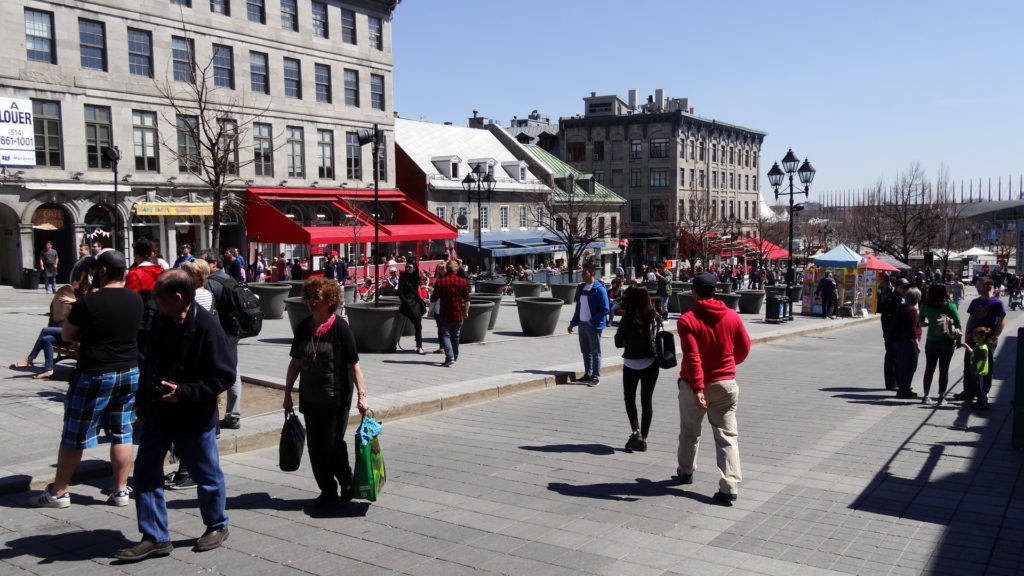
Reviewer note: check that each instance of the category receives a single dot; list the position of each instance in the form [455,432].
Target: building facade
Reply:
[293,79]
[667,162]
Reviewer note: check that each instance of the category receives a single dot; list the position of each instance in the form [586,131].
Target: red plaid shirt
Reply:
[452,291]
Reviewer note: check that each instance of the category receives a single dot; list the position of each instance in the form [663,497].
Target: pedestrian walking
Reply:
[989,312]
[591,315]
[956,290]
[663,280]
[186,255]
[906,337]
[102,393]
[713,341]
[410,303]
[76,270]
[938,347]
[636,334]
[188,365]
[828,291]
[888,305]
[451,296]
[48,262]
[325,362]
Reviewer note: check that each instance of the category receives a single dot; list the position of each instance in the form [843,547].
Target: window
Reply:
[524,217]
[723,178]
[188,146]
[353,157]
[600,226]
[223,66]
[485,217]
[221,7]
[746,210]
[598,151]
[701,151]
[325,154]
[296,154]
[702,179]
[693,150]
[732,180]
[723,153]
[746,158]
[691,176]
[576,151]
[659,148]
[322,78]
[376,91]
[263,149]
[144,141]
[321,28]
[634,149]
[182,54]
[140,52]
[659,178]
[290,15]
[97,135]
[599,176]
[441,213]
[292,78]
[185,3]
[753,182]
[93,44]
[503,216]
[634,177]
[256,10]
[616,178]
[46,121]
[39,36]
[659,210]
[348,26]
[746,182]
[376,32]
[614,227]
[351,87]
[682,177]
[635,210]
[227,145]
[714,153]
[382,163]
[259,76]
[541,217]
[732,155]
[559,223]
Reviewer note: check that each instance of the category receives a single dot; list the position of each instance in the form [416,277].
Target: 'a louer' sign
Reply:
[17,133]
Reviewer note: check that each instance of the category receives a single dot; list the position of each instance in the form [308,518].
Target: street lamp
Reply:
[113,154]
[482,180]
[775,175]
[825,233]
[374,137]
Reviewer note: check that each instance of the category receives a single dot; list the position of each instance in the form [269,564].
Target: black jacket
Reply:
[410,303]
[638,343]
[196,356]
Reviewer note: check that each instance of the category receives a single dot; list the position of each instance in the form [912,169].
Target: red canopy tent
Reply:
[872,262]
[761,246]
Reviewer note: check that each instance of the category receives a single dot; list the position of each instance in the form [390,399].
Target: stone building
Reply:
[666,161]
[298,77]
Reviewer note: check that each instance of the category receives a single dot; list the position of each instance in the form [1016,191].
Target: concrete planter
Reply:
[751,301]
[796,294]
[474,327]
[684,301]
[493,299]
[731,300]
[404,326]
[297,311]
[724,288]
[271,298]
[489,286]
[564,292]
[349,293]
[673,302]
[538,316]
[296,287]
[375,328]
[527,289]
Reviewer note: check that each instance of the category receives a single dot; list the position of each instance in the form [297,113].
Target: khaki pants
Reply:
[721,397]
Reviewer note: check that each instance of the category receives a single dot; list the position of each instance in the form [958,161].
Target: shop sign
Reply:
[48,219]
[17,133]
[174,209]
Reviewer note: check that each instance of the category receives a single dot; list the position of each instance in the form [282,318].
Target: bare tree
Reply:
[698,224]
[902,219]
[948,230]
[211,122]
[770,232]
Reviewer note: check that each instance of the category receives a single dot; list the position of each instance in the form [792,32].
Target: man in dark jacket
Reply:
[189,365]
[887,307]
[713,342]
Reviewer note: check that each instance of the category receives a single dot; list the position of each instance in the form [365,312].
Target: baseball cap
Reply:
[111,259]
[705,280]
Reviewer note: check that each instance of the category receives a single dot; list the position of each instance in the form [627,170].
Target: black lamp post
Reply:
[481,182]
[374,137]
[775,175]
[113,155]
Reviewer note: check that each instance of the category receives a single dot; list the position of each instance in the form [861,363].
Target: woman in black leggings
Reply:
[636,334]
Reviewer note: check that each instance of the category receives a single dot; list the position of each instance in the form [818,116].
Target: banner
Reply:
[174,209]
[17,133]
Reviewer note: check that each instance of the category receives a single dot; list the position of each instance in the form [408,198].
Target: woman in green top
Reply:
[938,349]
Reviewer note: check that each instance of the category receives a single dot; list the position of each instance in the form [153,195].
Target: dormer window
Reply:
[516,170]
[447,165]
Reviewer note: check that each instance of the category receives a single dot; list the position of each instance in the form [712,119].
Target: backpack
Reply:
[945,328]
[664,349]
[238,308]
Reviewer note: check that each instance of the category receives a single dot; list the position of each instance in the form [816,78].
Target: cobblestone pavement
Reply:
[839,478]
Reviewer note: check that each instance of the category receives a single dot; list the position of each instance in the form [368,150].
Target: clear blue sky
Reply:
[860,88]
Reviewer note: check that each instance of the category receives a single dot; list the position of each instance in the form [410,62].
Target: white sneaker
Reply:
[46,499]
[119,497]
[924,399]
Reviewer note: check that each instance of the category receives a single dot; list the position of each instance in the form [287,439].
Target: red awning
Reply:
[264,220]
[762,246]
[872,262]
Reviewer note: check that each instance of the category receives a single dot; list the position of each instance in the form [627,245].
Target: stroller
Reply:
[1016,299]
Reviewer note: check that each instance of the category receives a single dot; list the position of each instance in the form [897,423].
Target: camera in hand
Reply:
[159,388]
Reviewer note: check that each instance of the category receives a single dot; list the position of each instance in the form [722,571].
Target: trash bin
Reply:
[30,278]
[775,308]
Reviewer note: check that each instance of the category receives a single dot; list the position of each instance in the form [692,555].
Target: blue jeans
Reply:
[449,334]
[44,343]
[198,452]
[590,346]
[663,303]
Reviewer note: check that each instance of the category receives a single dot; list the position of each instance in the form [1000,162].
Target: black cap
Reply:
[143,248]
[705,280]
[111,259]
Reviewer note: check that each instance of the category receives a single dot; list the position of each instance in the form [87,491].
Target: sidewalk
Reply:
[400,384]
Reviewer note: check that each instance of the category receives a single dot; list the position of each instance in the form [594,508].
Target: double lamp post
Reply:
[775,175]
[481,180]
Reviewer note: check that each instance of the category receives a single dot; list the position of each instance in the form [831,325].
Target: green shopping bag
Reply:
[369,476]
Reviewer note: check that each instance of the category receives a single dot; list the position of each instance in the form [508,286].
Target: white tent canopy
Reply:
[977,252]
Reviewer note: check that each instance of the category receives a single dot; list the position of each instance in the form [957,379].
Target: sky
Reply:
[862,89]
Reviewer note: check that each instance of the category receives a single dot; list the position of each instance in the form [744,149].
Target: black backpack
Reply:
[238,308]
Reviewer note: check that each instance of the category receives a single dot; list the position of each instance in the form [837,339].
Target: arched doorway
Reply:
[52,223]
[99,226]
[10,246]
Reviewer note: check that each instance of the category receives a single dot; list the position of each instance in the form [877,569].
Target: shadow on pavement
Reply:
[623,491]
[595,449]
[873,396]
[275,341]
[72,546]
[339,510]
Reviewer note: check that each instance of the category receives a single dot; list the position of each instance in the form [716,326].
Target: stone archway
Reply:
[10,246]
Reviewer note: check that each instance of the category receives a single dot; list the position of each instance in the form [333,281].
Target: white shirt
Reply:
[585,296]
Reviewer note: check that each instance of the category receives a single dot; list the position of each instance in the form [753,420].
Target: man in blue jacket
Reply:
[590,315]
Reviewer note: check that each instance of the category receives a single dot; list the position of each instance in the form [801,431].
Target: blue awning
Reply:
[514,243]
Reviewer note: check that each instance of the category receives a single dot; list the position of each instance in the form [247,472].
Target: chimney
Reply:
[478,121]
[659,99]
[593,94]
[632,99]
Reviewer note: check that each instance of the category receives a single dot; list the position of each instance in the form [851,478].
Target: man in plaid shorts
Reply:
[102,393]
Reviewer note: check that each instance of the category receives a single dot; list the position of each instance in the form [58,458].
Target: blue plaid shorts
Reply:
[97,401]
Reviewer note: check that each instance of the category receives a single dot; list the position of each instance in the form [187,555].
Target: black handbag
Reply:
[664,349]
[293,440]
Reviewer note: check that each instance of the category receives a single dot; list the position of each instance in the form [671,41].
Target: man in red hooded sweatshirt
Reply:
[714,341]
